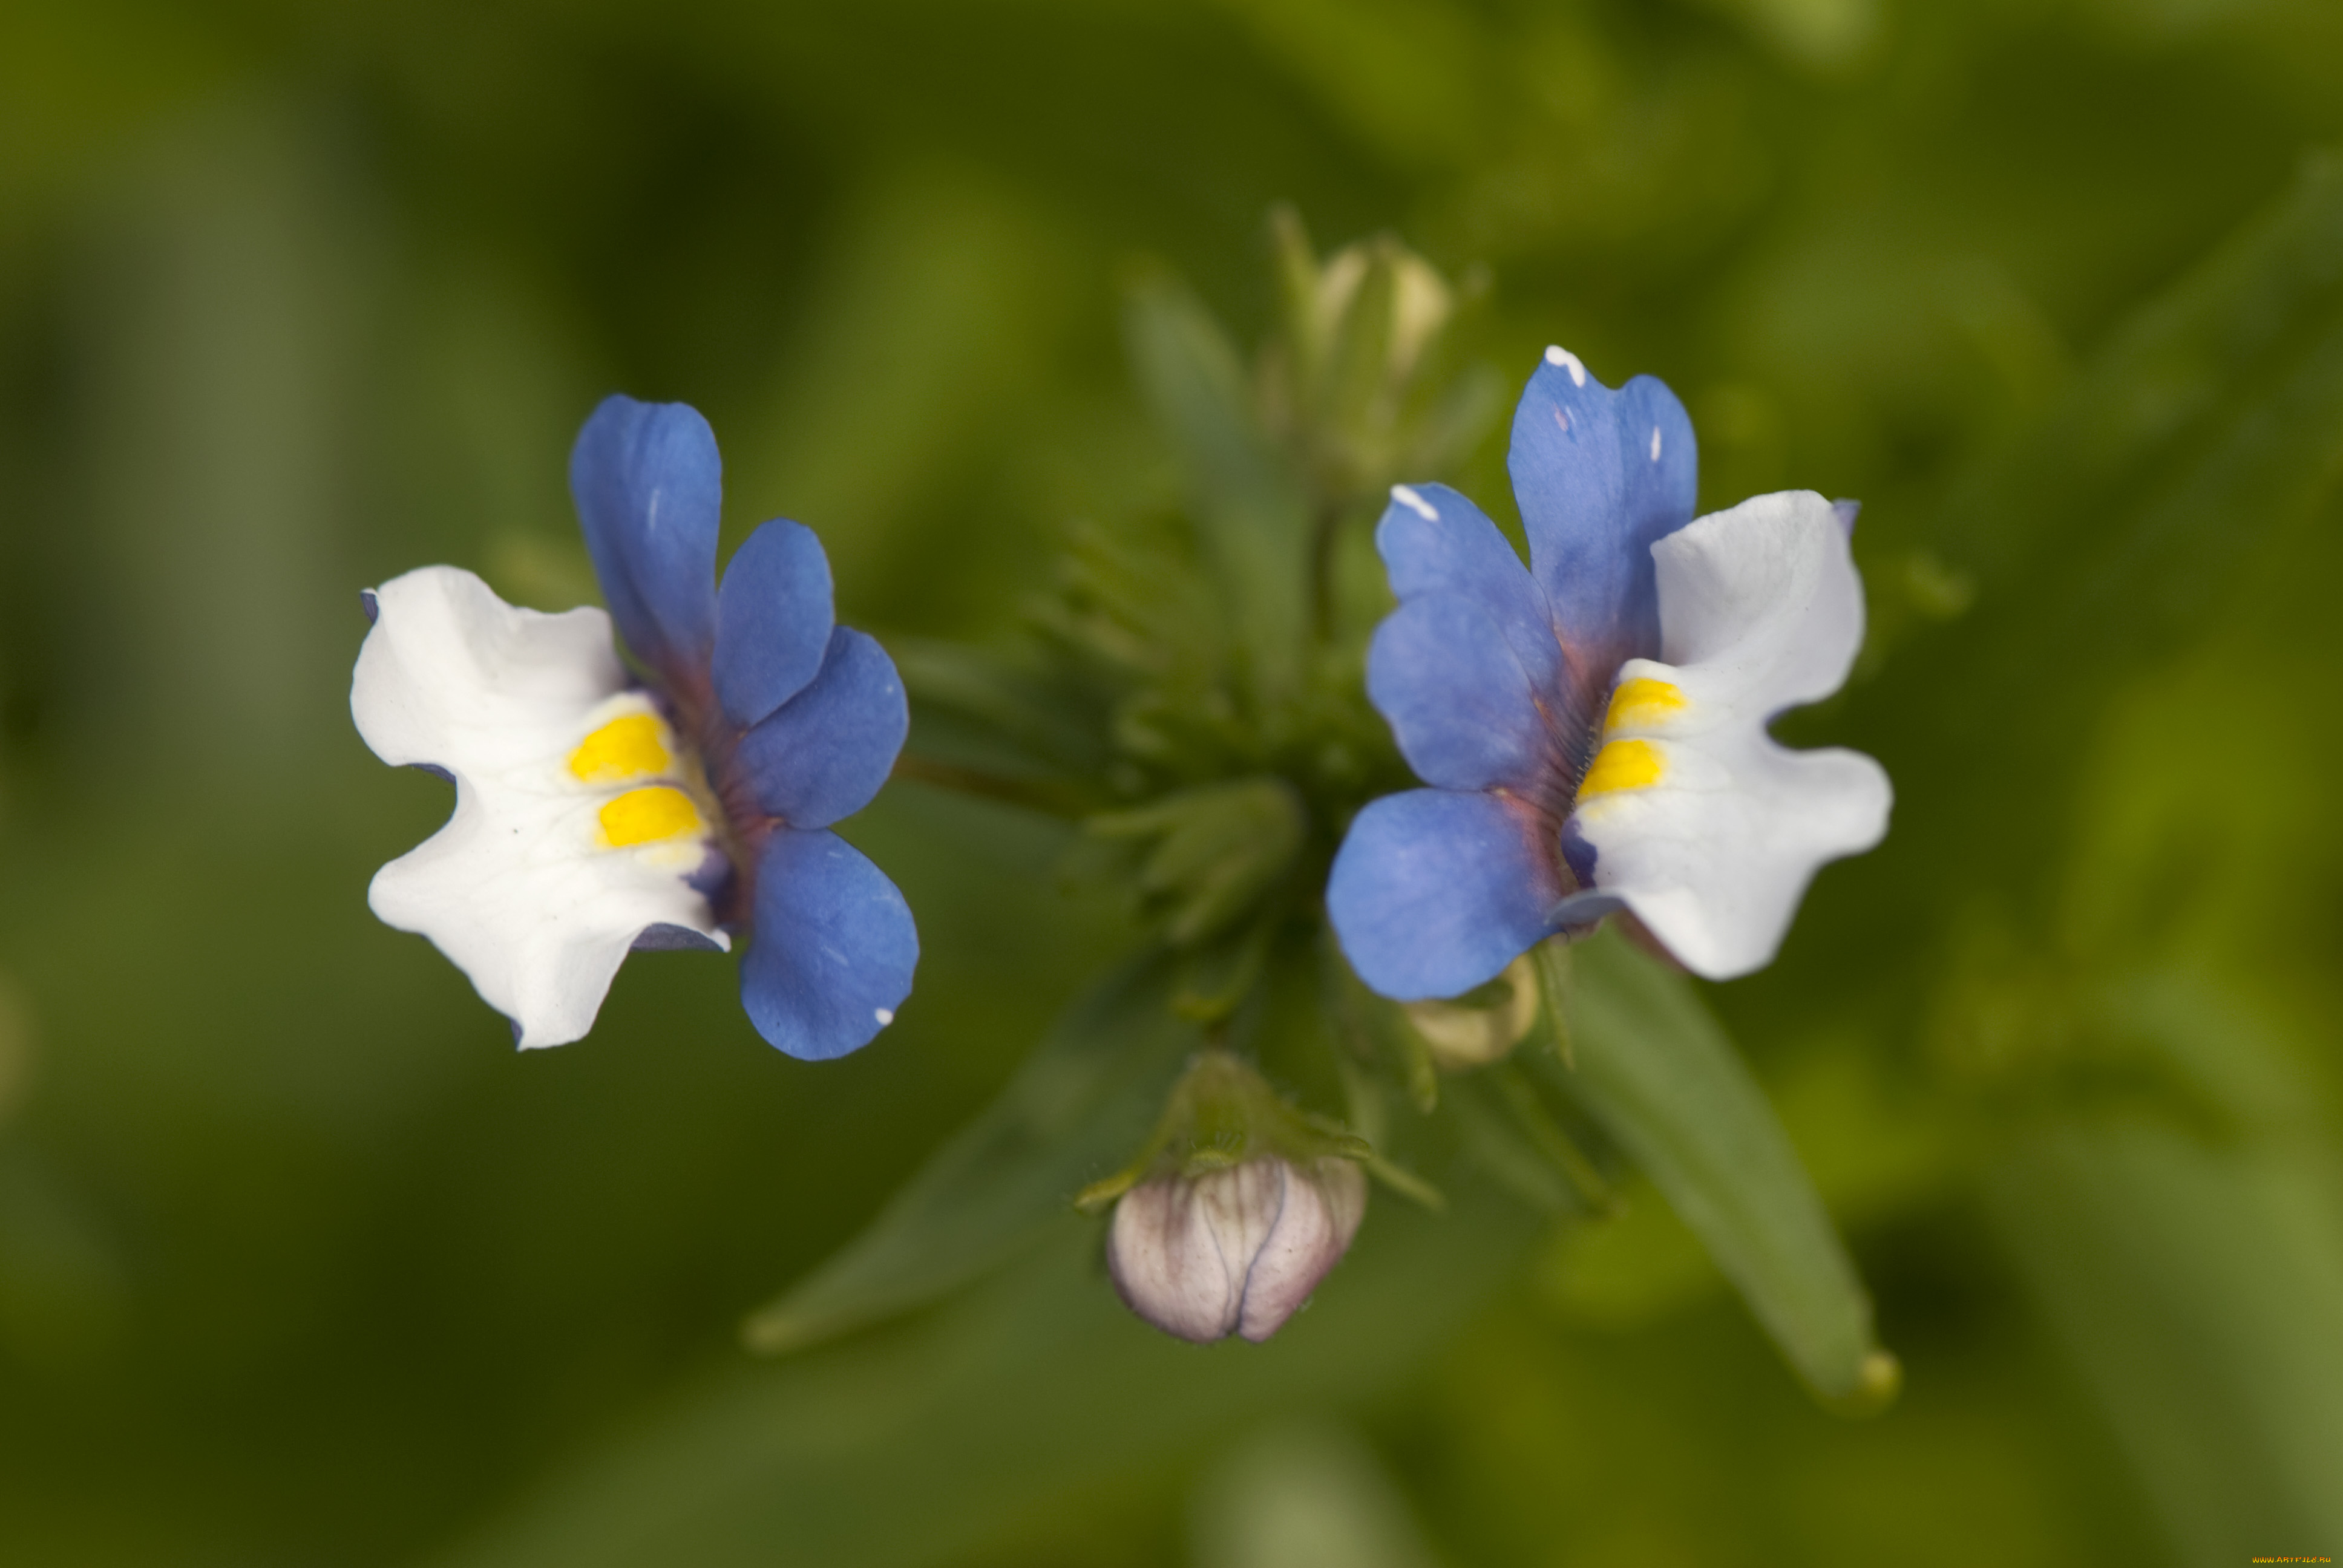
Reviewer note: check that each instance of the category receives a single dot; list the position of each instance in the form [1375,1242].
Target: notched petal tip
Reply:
[1433,540]
[1600,474]
[1408,496]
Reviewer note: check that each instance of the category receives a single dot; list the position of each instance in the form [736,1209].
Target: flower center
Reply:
[1639,703]
[1642,703]
[638,746]
[1622,765]
[630,747]
[648,816]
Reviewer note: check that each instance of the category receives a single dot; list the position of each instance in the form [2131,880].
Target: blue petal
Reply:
[663,938]
[1601,476]
[648,485]
[1459,702]
[1456,549]
[833,951]
[772,620]
[1434,892]
[827,750]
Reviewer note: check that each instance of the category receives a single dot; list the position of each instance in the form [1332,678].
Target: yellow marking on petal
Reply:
[646,816]
[1642,703]
[1622,765]
[632,746]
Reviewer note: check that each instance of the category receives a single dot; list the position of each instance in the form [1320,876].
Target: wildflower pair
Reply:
[1591,731]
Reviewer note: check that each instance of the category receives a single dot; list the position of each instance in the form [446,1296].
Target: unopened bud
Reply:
[1481,1026]
[1415,305]
[1234,1250]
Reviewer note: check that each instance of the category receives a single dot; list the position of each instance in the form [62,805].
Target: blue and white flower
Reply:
[1595,729]
[596,811]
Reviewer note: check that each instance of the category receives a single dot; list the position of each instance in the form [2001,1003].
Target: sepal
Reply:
[1220,1114]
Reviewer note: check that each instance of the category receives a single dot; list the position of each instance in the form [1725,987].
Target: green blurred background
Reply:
[301,1263]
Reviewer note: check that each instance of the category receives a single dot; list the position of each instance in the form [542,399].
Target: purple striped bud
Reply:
[1235,1250]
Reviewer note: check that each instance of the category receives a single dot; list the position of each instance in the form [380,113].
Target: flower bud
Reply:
[1481,1026]
[1233,1250]
[1355,383]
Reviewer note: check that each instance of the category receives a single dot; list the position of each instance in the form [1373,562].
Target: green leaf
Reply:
[1214,979]
[2215,388]
[1026,720]
[2197,1283]
[2200,440]
[1024,1397]
[1510,1153]
[2198,1292]
[1252,514]
[1663,1079]
[1077,1108]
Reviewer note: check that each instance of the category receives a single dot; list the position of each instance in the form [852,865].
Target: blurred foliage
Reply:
[299,1263]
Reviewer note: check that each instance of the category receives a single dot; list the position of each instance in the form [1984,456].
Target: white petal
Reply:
[1760,610]
[520,890]
[1312,1230]
[1179,1249]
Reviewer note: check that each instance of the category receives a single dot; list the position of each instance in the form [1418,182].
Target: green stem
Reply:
[1324,528]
